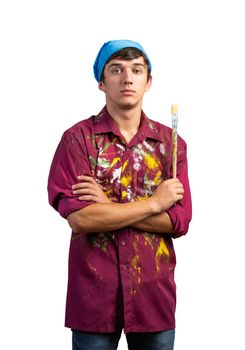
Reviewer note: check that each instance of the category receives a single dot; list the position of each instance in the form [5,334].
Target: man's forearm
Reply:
[160,223]
[102,217]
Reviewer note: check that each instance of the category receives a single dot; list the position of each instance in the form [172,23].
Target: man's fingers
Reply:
[86,178]
[85,191]
[174,186]
[88,198]
[172,181]
[87,181]
[180,190]
[83,185]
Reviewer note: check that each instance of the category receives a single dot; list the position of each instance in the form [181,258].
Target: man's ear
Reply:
[148,84]
[101,86]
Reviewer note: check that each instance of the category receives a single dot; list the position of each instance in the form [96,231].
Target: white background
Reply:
[47,51]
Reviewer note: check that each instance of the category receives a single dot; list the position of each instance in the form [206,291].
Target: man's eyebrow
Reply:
[121,65]
[139,64]
[115,64]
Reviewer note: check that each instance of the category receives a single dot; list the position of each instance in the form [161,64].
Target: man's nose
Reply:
[127,77]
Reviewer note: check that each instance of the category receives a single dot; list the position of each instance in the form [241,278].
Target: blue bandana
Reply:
[108,49]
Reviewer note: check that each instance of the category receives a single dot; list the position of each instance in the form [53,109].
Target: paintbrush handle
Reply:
[174,116]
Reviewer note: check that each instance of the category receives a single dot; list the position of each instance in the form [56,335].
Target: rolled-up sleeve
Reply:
[181,213]
[70,160]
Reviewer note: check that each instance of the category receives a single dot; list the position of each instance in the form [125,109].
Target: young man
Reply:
[111,177]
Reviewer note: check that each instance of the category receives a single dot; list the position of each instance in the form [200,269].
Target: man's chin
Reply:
[128,106]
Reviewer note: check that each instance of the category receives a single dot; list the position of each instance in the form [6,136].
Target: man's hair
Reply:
[128,54]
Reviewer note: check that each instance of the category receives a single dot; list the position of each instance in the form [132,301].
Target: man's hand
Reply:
[167,194]
[89,190]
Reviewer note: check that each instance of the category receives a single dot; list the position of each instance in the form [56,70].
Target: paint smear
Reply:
[162,250]
[151,162]
[125,165]
[126,180]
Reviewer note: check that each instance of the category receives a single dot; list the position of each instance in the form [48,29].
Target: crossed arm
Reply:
[147,215]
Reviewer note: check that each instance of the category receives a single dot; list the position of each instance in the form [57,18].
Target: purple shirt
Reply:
[123,278]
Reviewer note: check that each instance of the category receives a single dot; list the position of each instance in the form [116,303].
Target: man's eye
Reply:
[116,71]
[137,71]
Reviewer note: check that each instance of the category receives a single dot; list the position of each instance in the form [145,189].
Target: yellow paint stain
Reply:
[157,180]
[114,161]
[126,180]
[162,249]
[136,242]
[135,261]
[148,240]
[141,198]
[151,161]
[136,270]
[125,165]
[124,194]
[110,191]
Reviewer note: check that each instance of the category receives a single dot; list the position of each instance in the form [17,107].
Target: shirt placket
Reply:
[124,237]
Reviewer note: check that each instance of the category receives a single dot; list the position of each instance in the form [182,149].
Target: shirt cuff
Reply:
[179,221]
[67,206]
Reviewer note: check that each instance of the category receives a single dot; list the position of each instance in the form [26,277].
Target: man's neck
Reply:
[128,121]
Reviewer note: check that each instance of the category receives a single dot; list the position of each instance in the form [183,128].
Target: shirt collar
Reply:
[104,123]
[149,129]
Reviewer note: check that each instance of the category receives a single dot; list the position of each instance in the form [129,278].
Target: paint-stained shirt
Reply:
[122,278]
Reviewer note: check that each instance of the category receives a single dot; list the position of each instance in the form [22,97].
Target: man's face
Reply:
[125,82]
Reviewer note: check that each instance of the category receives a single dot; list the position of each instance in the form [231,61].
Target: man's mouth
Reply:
[128,92]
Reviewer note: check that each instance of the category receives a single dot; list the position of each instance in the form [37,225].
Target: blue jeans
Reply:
[136,341]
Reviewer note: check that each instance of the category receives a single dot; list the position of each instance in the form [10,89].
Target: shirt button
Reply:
[123,242]
[124,267]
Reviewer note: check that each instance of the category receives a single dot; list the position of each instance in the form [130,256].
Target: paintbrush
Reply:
[174,117]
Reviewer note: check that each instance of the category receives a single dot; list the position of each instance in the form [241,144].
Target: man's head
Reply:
[123,49]
[123,71]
